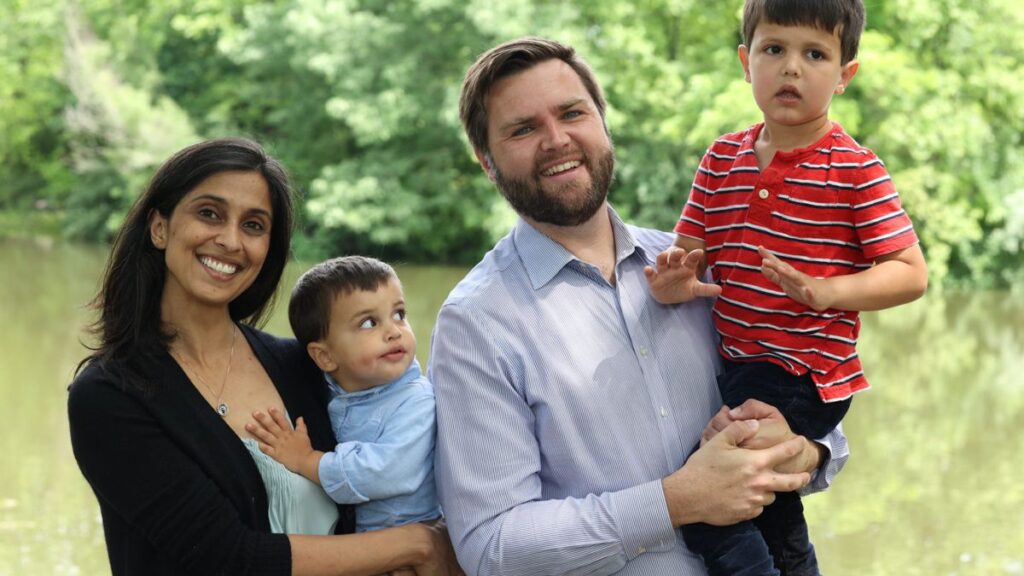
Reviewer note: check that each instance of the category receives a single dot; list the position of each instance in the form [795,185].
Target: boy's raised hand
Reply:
[291,448]
[675,280]
[807,290]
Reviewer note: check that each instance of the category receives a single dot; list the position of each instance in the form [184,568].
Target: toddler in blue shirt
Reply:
[349,312]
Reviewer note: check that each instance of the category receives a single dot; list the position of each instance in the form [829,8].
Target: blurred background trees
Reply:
[359,99]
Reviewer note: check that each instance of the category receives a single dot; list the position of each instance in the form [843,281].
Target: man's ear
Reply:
[157,229]
[849,71]
[744,54]
[321,356]
[486,163]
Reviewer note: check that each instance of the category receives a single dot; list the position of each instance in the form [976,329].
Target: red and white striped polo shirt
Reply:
[827,210]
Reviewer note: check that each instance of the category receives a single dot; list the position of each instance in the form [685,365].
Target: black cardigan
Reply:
[178,491]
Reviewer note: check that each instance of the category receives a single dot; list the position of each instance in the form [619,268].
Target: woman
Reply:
[157,414]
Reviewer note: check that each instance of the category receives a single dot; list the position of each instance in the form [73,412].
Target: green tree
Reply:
[384,76]
[359,99]
[33,145]
[119,134]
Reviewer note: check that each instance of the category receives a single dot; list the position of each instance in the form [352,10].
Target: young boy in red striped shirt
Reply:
[801,228]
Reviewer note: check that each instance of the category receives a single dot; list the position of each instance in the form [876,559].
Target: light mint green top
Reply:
[295,505]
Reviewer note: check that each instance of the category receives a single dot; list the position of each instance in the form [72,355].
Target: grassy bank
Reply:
[32,224]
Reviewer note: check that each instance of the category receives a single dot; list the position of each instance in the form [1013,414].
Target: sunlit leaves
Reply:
[350,92]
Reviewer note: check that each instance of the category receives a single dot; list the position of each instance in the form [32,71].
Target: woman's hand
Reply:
[441,559]
[410,549]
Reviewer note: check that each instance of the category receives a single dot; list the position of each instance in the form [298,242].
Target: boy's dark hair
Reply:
[845,16]
[309,309]
[508,59]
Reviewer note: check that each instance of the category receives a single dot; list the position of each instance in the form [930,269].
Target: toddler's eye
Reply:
[368,323]
[398,316]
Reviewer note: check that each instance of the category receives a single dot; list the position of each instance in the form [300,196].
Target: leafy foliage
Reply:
[359,99]
[32,138]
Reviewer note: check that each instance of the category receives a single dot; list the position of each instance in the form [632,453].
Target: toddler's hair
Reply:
[309,309]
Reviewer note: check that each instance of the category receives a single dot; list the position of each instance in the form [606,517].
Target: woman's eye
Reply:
[208,213]
[569,115]
[368,323]
[255,226]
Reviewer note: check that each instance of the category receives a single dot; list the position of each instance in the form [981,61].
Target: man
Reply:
[568,399]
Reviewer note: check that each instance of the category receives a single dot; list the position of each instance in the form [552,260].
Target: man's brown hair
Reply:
[508,59]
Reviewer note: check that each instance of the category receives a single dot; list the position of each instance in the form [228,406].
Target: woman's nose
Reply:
[228,238]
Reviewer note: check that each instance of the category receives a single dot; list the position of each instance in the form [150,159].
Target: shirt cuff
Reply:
[643,520]
[336,482]
[837,452]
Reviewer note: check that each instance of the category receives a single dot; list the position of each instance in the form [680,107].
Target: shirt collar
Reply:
[751,134]
[411,373]
[543,258]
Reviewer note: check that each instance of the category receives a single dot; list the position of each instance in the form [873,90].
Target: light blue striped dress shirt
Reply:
[562,401]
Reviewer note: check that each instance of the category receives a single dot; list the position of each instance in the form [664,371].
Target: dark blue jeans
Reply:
[776,542]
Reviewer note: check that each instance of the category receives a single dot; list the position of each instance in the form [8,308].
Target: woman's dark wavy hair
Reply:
[129,326]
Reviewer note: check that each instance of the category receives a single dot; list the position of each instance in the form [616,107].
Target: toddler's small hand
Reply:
[807,290]
[674,278]
[277,439]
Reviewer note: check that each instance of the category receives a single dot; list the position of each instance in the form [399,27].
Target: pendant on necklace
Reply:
[222,409]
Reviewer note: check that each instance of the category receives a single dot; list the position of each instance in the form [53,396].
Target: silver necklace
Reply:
[222,406]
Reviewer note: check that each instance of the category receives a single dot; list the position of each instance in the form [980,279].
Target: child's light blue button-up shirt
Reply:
[383,462]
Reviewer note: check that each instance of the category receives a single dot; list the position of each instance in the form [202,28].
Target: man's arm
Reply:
[489,462]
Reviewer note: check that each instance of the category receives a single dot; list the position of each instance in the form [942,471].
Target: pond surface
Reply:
[934,487]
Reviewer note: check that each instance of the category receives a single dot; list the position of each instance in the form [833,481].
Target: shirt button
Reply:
[664,412]
[763,194]
[643,352]
[640,550]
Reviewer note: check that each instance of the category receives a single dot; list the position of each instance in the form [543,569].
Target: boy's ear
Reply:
[157,229]
[849,71]
[321,356]
[744,54]
[485,162]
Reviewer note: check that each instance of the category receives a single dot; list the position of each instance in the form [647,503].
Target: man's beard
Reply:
[529,199]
